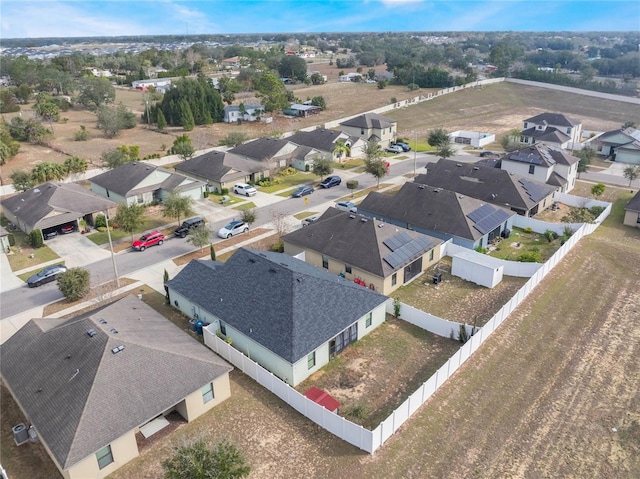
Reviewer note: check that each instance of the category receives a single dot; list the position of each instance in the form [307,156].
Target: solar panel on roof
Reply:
[408,252]
[481,212]
[536,191]
[487,218]
[397,241]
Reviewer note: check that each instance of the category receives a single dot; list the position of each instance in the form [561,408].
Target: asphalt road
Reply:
[23,299]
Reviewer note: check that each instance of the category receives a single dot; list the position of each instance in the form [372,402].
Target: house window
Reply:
[223,328]
[325,262]
[362,131]
[369,320]
[207,393]
[525,125]
[104,457]
[311,360]
[140,199]
[394,279]
[532,169]
[431,255]
[569,130]
[347,268]
[638,221]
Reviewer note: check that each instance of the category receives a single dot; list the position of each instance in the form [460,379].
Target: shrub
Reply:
[101,229]
[550,235]
[82,134]
[205,194]
[74,283]
[358,412]
[100,221]
[596,210]
[224,191]
[152,156]
[393,100]
[264,182]
[278,247]
[288,171]
[530,257]
[528,230]
[12,240]
[35,239]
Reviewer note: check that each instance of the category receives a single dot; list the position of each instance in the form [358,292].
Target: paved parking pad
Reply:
[76,249]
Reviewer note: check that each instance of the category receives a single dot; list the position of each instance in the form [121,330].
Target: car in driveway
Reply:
[233,228]
[48,234]
[330,181]
[46,275]
[152,238]
[347,206]
[404,146]
[302,191]
[393,149]
[309,219]
[67,228]
[187,225]
[244,189]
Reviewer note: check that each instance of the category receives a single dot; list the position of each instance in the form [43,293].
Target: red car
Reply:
[148,239]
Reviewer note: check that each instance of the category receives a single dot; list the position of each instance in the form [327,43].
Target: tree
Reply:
[29,130]
[200,461]
[75,165]
[130,218]
[316,79]
[374,164]
[199,237]
[8,103]
[95,91]
[340,149]
[162,122]
[75,283]
[8,146]
[584,159]
[48,171]
[186,116]
[438,138]
[629,124]
[319,101]
[293,67]
[445,151]
[112,120]
[182,147]
[212,252]
[119,156]
[235,138]
[597,190]
[21,180]
[249,216]
[47,108]
[322,167]
[176,206]
[631,173]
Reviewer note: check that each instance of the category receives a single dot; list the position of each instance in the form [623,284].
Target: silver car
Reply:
[46,275]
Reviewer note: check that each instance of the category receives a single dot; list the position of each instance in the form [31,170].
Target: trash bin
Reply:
[199,327]
[437,278]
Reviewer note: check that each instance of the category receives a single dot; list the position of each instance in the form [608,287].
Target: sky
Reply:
[73,18]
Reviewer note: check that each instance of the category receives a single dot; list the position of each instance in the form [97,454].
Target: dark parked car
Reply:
[148,239]
[330,181]
[404,146]
[187,225]
[302,191]
[48,234]
[46,275]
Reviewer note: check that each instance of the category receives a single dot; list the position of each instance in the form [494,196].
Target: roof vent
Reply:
[252,260]
[436,190]
[380,225]
[476,168]
[36,190]
[493,196]
[459,165]
[461,196]
[113,330]
[352,217]
[91,333]
[117,349]
[363,220]
[273,270]
[102,321]
[421,187]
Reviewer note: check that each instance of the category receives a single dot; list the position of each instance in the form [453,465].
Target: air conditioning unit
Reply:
[20,434]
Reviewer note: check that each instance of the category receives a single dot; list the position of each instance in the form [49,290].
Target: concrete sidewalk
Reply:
[8,279]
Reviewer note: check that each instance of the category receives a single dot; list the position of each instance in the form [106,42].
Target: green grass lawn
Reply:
[521,242]
[284,182]
[101,237]
[217,199]
[245,206]
[22,254]
[304,214]
[347,165]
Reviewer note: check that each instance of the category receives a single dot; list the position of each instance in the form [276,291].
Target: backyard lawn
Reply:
[523,242]
[373,376]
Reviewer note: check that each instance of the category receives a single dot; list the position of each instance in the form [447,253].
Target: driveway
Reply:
[76,249]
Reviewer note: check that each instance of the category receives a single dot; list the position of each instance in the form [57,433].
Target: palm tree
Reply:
[341,148]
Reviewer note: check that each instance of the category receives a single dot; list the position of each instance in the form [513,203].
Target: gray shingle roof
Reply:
[541,155]
[286,305]
[260,149]
[347,238]
[53,204]
[434,209]
[124,178]
[369,120]
[80,396]
[219,166]
[487,184]
[553,119]
[320,138]
[550,134]
[634,203]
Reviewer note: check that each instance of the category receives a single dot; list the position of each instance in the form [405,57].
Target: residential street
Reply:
[18,300]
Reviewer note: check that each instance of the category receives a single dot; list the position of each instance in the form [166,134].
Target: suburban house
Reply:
[301,110]
[544,163]
[521,194]
[477,139]
[444,214]
[353,76]
[248,112]
[160,84]
[325,142]
[279,153]
[290,317]
[619,145]
[552,129]
[364,250]
[138,182]
[51,205]
[632,211]
[90,386]
[371,126]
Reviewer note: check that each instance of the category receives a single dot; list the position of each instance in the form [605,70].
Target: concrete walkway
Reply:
[8,280]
